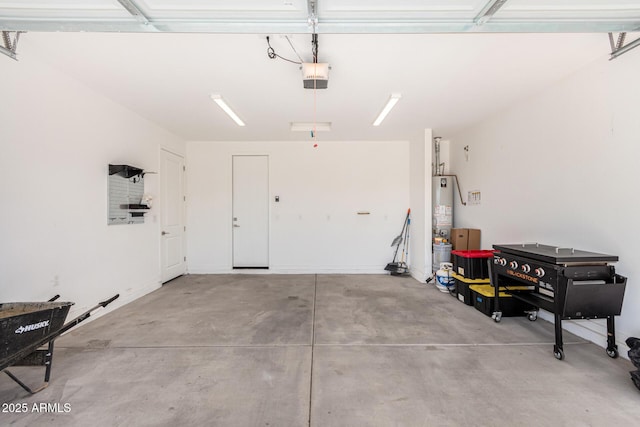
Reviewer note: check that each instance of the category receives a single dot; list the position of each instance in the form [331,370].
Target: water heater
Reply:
[442,201]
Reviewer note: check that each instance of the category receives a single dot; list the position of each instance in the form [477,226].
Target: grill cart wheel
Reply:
[558,353]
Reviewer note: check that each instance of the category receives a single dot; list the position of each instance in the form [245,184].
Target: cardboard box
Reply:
[474,240]
[460,238]
[465,239]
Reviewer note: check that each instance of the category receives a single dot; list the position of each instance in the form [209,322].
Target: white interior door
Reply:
[250,220]
[173,262]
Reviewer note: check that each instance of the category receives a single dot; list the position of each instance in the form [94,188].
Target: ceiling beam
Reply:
[619,49]
[312,12]
[327,26]
[9,53]
[10,47]
[488,11]
[312,7]
[135,11]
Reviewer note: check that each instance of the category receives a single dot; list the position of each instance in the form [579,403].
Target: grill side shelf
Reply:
[586,300]
[533,298]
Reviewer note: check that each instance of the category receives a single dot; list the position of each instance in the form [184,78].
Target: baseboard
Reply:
[288,271]
[204,269]
[419,275]
[124,299]
[284,269]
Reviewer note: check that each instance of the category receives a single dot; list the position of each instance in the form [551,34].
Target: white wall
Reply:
[315,227]
[57,138]
[420,183]
[562,168]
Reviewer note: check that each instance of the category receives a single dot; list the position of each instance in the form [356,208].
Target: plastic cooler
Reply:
[463,291]
[484,300]
[472,264]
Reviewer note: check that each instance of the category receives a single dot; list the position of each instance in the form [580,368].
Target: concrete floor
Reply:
[325,350]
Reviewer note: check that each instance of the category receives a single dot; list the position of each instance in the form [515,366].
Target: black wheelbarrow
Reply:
[27,326]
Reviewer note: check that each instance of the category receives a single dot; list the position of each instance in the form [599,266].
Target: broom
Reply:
[396,268]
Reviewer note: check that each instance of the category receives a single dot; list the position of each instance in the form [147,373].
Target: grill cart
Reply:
[570,283]
[27,326]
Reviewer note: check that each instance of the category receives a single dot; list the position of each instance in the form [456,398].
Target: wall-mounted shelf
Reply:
[125,170]
[131,206]
[126,191]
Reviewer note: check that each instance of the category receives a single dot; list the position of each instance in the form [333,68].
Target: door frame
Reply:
[183,213]
[230,219]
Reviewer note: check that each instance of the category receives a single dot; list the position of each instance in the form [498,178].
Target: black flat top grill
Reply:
[555,255]
[570,283]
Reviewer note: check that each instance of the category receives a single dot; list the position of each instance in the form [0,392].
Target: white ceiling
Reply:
[448,81]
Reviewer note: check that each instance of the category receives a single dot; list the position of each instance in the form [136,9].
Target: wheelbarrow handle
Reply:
[109,301]
[85,315]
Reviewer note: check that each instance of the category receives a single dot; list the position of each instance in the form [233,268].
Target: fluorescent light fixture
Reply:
[218,100]
[393,100]
[310,126]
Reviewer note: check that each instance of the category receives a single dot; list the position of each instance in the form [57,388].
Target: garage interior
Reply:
[534,105]
[325,350]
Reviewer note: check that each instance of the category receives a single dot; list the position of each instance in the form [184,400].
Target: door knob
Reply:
[165,232]
[236,225]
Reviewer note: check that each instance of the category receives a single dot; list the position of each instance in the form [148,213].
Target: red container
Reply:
[472,264]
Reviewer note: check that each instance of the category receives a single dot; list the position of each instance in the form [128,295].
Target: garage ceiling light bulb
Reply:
[393,100]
